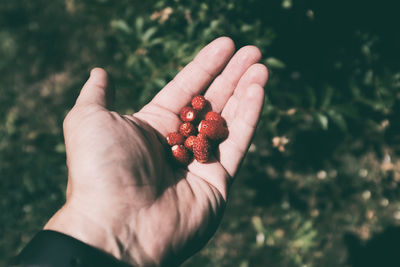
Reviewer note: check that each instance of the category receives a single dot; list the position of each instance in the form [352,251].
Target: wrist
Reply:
[71,222]
[94,231]
[50,248]
[108,228]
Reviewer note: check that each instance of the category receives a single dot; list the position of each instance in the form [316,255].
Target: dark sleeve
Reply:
[54,249]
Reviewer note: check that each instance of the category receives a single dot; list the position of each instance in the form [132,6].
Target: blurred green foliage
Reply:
[325,159]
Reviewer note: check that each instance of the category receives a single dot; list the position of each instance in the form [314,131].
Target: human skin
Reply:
[124,195]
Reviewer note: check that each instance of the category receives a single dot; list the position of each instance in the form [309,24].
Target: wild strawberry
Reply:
[187,129]
[201,149]
[175,139]
[199,102]
[223,134]
[202,113]
[214,116]
[181,154]
[188,114]
[201,135]
[213,130]
[189,142]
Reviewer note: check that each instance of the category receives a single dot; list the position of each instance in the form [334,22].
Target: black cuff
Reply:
[54,249]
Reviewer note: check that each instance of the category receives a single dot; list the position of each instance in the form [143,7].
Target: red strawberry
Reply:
[213,130]
[189,142]
[222,133]
[214,116]
[187,129]
[202,113]
[201,149]
[181,154]
[199,102]
[188,114]
[175,139]
[202,135]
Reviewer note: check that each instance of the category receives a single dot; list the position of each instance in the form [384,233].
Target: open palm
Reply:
[124,195]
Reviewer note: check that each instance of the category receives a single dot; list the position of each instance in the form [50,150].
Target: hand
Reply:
[123,195]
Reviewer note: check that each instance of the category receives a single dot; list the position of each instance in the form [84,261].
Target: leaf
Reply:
[322,120]
[355,90]
[246,28]
[120,25]
[348,111]
[377,105]
[311,96]
[139,25]
[131,60]
[327,97]
[148,34]
[60,148]
[274,63]
[369,78]
[160,83]
[338,119]
[287,4]
[258,224]
[156,41]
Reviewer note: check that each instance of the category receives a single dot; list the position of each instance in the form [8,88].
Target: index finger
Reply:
[195,76]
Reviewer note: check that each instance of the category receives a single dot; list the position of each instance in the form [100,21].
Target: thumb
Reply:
[96,90]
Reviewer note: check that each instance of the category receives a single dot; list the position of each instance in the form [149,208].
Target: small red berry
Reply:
[213,130]
[223,134]
[187,129]
[199,102]
[202,113]
[181,154]
[202,135]
[175,139]
[189,142]
[214,116]
[188,114]
[201,149]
